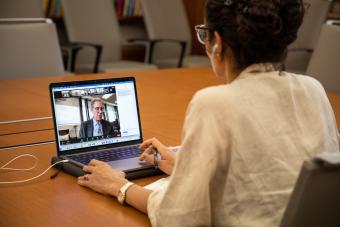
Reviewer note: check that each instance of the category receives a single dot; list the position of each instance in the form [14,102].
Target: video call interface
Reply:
[113,106]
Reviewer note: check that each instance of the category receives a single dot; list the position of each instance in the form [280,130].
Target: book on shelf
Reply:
[138,8]
[52,8]
[119,4]
[131,7]
[128,8]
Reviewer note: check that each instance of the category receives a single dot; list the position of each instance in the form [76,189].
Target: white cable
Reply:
[23,155]
[22,181]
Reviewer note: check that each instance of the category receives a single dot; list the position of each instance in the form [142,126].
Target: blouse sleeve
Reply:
[201,163]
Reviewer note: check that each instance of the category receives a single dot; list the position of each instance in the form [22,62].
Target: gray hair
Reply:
[95,100]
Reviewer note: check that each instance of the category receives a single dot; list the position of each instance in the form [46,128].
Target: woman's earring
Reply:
[213,51]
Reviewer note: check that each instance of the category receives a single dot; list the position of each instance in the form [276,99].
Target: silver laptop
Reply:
[98,119]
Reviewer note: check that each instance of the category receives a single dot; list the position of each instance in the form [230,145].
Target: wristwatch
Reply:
[122,192]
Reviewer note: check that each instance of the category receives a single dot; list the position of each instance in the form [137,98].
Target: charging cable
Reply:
[35,164]
[23,155]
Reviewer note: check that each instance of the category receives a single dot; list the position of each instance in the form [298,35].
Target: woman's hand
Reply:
[102,178]
[167,162]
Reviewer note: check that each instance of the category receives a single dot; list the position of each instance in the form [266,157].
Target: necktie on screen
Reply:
[100,131]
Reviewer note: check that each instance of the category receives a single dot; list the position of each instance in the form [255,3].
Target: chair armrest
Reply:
[300,50]
[97,47]
[333,22]
[71,51]
[150,43]
[138,40]
[144,42]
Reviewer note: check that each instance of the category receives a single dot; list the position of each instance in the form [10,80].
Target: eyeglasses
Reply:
[99,108]
[202,32]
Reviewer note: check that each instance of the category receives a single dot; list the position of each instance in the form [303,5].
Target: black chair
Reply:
[315,201]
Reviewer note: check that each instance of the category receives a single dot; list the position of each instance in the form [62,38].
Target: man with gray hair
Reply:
[96,126]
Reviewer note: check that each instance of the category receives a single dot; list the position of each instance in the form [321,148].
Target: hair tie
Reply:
[228,2]
[245,9]
[244,6]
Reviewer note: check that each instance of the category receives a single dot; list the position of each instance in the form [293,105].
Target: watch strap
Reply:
[122,192]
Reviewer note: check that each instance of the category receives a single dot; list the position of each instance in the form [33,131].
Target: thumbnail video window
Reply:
[87,114]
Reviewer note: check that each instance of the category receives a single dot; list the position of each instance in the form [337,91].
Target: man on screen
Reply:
[96,126]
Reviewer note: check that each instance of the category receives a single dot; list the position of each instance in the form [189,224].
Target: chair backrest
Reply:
[21,9]
[93,22]
[167,19]
[29,47]
[308,34]
[315,17]
[325,64]
[315,200]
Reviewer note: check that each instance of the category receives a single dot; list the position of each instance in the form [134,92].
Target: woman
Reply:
[243,142]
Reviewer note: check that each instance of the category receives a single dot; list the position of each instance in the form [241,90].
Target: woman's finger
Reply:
[94,162]
[82,182]
[89,169]
[148,158]
[148,142]
[145,144]
[81,178]
[147,151]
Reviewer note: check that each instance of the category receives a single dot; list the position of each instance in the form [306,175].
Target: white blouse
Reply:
[243,145]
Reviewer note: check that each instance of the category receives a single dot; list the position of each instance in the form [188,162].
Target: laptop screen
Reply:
[94,113]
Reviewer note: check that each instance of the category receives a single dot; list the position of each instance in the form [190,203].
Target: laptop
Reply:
[98,119]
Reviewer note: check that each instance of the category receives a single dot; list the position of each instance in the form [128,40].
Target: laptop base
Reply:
[77,171]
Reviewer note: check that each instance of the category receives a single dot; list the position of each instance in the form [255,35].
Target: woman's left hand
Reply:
[102,178]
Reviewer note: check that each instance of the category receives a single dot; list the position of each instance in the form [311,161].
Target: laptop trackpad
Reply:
[127,164]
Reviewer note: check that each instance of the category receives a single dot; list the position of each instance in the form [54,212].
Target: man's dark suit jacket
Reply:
[86,128]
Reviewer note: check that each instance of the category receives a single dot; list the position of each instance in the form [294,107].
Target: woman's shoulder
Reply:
[279,81]
[307,81]
[214,95]
[233,94]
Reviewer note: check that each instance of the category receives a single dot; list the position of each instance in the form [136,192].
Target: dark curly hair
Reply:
[257,31]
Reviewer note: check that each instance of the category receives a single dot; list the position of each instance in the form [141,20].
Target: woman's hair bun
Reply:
[256,30]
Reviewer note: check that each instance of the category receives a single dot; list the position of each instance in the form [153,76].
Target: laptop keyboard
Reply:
[108,155]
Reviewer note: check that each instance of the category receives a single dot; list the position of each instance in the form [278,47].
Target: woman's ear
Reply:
[214,48]
[217,48]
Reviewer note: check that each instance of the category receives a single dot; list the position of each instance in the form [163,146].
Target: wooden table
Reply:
[163,97]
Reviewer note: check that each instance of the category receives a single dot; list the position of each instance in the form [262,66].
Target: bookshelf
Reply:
[334,16]
[334,12]
[132,27]
[131,23]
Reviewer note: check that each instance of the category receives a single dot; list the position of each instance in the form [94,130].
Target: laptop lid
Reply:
[78,105]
